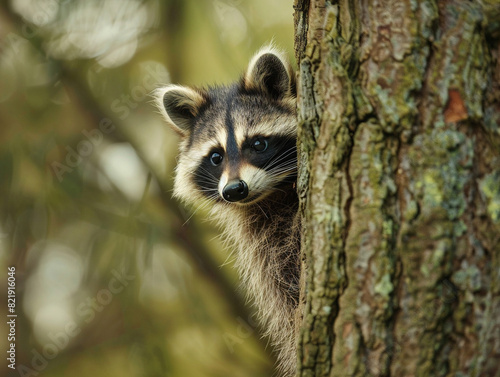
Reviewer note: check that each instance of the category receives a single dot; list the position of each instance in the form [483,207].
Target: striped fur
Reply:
[264,226]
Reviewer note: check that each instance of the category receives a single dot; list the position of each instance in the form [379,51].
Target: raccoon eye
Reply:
[259,145]
[216,159]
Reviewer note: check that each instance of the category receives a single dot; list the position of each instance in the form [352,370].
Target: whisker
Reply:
[262,210]
[282,155]
[210,199]
[282,168]
[276,158]
[207,174]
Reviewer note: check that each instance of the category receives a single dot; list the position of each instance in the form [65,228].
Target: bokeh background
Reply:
[113,276]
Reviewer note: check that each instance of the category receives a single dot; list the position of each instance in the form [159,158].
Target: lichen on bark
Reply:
[399,173]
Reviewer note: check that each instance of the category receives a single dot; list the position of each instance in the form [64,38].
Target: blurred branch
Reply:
[187,236]
[174,14]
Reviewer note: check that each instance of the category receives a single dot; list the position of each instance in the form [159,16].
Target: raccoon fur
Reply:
[238,154]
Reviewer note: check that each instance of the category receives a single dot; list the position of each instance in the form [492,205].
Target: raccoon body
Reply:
[238,154]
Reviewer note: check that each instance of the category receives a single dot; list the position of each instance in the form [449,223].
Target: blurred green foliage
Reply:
[114,277]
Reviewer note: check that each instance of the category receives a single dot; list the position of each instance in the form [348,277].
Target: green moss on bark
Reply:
[399,188]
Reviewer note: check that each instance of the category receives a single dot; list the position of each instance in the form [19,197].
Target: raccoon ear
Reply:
[180,105]
[270,72]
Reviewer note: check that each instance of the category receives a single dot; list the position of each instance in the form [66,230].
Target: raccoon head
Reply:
[238,142]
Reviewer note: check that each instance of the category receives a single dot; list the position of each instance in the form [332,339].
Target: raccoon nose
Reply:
[235,191]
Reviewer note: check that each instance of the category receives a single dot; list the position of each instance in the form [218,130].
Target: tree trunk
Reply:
[399,180]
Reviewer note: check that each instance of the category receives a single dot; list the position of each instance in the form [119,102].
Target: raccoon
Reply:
[238,154]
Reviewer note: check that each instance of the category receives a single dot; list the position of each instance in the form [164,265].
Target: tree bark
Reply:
[399,181]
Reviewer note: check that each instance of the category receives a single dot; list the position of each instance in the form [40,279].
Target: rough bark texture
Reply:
[399,113]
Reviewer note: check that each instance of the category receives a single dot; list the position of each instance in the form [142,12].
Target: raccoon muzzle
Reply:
[235,191]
